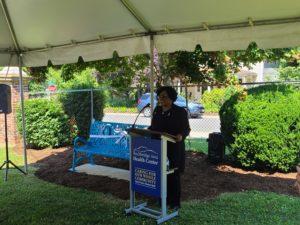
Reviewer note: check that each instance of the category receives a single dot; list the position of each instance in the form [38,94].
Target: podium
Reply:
[148,172]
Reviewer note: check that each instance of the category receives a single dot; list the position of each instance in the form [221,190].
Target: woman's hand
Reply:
[178,137]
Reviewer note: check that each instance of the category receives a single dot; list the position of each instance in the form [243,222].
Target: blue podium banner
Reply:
[145,166]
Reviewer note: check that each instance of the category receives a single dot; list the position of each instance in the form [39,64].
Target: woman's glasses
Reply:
[162,97]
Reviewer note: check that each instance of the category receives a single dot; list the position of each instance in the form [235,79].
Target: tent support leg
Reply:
[22,111]
[152,73]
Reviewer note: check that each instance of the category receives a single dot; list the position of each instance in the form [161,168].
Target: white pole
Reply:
[22,110]
[152,73]
[92,106]
[163,182]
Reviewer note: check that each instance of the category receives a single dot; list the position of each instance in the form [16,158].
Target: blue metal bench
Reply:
[105,139]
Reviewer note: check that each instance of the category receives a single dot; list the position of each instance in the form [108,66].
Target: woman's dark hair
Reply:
[171,92]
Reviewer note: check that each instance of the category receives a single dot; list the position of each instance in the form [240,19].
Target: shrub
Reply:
[214,99]
[46,124]
[78,104]
[263,128]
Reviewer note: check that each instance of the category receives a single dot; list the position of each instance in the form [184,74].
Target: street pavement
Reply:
[200,127]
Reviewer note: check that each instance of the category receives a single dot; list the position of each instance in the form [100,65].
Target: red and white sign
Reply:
[52,88]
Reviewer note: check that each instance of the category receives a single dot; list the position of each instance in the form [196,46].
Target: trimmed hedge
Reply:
[46,124]
[263,127]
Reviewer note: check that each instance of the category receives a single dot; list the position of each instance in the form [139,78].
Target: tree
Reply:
[120,72]
[217,67]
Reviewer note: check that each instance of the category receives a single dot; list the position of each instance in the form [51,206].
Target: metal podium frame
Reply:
[142,209]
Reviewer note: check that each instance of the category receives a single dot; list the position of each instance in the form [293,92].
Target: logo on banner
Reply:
[145,155]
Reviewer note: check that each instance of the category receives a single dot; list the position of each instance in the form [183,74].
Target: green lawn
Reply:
[197,144]
[200,145]
[120,109]
[28,200]
[17,159]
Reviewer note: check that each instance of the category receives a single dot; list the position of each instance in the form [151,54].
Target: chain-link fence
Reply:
[123,107]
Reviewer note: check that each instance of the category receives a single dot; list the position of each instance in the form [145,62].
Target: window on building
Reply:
[271,64]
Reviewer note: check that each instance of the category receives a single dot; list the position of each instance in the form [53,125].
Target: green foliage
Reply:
[51,76]
[263,128]
[290,66]
[289,73]
[46,124]
[121,72]
[77,105]
[117,98]
[214,99]
[54,76]
[217,67]
[35,86]
[291,58]
[120,101]
[199,66]
[68,71]
[116,74]
[39,74]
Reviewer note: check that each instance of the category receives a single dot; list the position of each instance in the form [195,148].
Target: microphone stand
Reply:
[8,161]
[133,125]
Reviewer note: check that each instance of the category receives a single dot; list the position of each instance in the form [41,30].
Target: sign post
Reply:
[148,172]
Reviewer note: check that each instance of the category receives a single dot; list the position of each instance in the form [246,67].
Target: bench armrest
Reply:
[79,140]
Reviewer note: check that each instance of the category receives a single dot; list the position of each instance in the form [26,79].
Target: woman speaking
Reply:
[172,119]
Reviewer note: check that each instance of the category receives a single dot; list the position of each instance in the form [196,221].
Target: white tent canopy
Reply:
[63,30]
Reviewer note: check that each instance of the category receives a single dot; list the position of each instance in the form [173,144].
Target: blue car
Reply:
[194,109]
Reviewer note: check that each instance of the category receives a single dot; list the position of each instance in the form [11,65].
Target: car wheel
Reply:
[147,112]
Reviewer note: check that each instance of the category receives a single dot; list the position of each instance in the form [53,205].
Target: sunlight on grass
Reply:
[197,145]
[17,159]
[28,200]
[200,145]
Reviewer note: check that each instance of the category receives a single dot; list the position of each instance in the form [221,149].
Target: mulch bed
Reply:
[201,180]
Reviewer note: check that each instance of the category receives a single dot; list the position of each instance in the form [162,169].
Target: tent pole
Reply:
[92,105]
[152,73]
[22,110]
